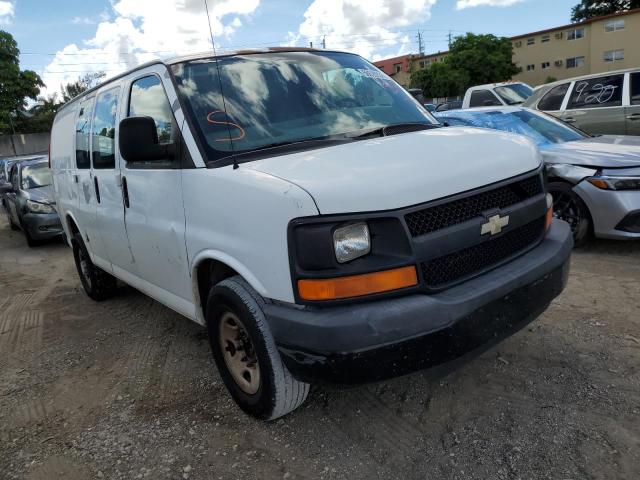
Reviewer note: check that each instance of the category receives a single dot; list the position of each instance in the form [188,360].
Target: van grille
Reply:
[458,266]
[448,214]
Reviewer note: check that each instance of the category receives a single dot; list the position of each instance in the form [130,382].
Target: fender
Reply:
[211,254]
[571,173]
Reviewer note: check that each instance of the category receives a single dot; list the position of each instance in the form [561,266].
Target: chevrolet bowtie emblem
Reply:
[495,225]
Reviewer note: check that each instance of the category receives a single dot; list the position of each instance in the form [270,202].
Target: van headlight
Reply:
[351,242]
[35,207]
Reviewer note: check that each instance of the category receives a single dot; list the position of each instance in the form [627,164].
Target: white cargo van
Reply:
[310,213]
[497,94]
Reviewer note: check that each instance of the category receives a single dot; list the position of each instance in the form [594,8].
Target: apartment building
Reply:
[597,45]
[400,68]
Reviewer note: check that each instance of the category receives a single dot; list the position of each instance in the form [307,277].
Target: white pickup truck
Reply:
[310,213]
[497,95]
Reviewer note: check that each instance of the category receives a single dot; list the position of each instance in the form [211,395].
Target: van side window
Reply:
[82,135]
[103,130]
[597,92]
[553,99]
[148,98]
[483,98]
[635,88]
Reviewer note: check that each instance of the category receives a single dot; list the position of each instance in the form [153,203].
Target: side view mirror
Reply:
[6,188]
[138,141]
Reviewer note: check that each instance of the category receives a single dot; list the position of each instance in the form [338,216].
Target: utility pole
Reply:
[449,36]
[420,45]
[310,44]
[324,42]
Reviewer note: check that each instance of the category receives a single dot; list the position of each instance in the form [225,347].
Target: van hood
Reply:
[606,151]
[403,170]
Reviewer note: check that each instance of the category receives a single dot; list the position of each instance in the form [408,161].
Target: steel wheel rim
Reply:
[84,267]
[566,208]
[239,354]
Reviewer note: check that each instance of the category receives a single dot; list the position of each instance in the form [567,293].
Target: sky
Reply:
[61,40]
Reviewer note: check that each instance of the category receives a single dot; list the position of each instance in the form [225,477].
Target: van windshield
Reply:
[281,98]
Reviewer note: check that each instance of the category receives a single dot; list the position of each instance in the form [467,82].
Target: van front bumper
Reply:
[375,340]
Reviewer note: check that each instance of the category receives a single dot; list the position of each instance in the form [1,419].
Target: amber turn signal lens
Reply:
[357,285]
[548,218]
[601,184]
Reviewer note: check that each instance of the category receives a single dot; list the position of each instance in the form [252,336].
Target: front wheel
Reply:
[568,206]
[245,352]
[12,225]
[97,283]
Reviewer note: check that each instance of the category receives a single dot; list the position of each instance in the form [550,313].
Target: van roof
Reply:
[199,56]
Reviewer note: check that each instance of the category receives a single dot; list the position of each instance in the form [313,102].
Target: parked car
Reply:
[496,94]
[595,181]
[29,202]
[430,106]
[452,105]
[303,224]
[604,103]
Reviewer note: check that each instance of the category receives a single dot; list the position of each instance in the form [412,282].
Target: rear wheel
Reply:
[245,352]
[568,206]
[97,283]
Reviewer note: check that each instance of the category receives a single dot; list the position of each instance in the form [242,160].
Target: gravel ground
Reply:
[127,389]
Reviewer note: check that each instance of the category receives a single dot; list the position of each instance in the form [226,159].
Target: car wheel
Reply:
[12,225]
[97,283]
[30,240]
[568,206]
[245,352]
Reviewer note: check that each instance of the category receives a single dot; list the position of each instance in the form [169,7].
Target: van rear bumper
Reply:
[382,339]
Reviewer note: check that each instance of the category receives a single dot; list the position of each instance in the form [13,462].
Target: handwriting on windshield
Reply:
[597,94]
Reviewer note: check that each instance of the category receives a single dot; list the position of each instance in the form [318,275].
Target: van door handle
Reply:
[633,116]
[125,192]
[95,184]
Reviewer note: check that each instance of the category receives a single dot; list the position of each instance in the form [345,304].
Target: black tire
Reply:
[278,392]
[98,284]
[568,206]
[30,240]
[12,225]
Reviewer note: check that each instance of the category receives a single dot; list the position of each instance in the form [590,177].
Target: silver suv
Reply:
[603,103]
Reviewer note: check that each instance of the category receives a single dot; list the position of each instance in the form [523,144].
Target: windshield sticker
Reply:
[375,74]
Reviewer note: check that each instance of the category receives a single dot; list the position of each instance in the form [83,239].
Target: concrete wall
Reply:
[24,144]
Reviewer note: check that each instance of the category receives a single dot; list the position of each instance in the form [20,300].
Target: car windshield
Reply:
[514,94]
[539,128]
[287,97]
[35,176]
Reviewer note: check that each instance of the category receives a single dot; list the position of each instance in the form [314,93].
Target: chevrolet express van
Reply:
[310,213]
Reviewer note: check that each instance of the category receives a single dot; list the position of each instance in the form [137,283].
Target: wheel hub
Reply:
[239,354]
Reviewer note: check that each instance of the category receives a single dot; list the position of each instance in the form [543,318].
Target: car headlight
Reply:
[35,207]
[605,182]
[351,242]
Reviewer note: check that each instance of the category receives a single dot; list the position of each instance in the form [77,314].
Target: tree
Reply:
[438,80]
[587,9]
[482,59]
[16,86]
[81,85]
[550,79]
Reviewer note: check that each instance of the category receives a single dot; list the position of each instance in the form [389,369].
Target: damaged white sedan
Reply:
[594,180]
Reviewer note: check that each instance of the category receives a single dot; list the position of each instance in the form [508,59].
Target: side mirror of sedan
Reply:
[6,188]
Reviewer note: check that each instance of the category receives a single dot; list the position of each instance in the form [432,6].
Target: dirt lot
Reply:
[127,389]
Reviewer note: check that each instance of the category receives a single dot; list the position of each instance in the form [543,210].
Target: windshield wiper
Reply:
[395,129]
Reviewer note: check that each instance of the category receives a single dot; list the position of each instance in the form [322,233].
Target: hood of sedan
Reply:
[403,170]
[41,195]
[607,151]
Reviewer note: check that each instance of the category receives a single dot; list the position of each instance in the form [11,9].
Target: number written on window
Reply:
[597,92]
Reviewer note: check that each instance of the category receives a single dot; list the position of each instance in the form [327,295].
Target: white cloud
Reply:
[82,21]
[6,12]
[462,4]
[136,31]
[362,26]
